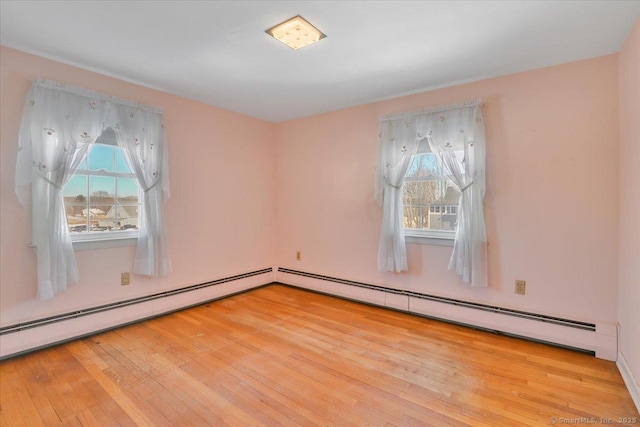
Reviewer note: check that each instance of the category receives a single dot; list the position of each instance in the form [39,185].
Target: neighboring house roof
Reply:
[451,197]
[132,211]
[124,212]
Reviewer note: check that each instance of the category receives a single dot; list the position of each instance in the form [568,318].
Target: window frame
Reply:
[104,239]
[425,236]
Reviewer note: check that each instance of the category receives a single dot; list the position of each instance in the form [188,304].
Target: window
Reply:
[430,199]
[102,197]
[405,167]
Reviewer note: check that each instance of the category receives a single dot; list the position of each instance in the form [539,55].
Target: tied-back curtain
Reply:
[59,124]
[55,134]
[456,136]
[397,143]
[141,136]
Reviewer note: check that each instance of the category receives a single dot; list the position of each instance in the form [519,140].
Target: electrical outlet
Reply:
[125,279]
[521,287]
[298,255]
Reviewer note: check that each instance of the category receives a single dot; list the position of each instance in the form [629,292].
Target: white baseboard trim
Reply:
[598,337]
[629,380]
[30,336]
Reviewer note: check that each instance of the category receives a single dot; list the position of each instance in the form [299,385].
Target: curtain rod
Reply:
[77,90]
[436,109]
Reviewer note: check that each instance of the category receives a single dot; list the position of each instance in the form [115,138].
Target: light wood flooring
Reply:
[283,356]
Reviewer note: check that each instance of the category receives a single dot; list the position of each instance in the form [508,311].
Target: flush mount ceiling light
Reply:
[296,33]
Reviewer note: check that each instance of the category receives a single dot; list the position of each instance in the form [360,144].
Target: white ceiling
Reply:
[217,52]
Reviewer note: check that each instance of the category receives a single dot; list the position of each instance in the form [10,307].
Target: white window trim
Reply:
[91,241]
[429,237]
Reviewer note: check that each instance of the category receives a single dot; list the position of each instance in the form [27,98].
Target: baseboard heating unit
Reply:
[596,337]
[28,336]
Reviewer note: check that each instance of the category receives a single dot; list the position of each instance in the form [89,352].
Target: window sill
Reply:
[91,242]
[429,238]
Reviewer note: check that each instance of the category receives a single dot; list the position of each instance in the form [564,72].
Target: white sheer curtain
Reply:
[397,142]
[55,134]
[141,135]
[59,123]
[456,135]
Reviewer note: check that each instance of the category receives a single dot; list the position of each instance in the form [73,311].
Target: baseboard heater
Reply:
[451,301]
[599,338]
[120,304]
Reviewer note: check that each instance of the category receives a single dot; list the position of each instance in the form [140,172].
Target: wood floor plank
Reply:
[101,415]
[210,366]
[17,406]
[34,376]
[280,356]
[87,359]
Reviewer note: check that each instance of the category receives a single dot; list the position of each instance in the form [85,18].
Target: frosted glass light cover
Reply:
[296,33]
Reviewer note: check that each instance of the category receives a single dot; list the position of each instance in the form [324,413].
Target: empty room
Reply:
[319,213]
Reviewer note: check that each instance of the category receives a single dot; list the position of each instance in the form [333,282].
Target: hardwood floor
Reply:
[282,356]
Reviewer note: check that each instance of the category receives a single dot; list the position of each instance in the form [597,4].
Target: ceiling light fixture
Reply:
[296,33]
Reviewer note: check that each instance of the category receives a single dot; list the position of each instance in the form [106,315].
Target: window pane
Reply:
[101,219]
[101,158]
[76,189]
[128,203]
[75,202]
[121,164]
[430,205]
[127,191]
[418,197]
[127,217]
[424,165]
[102,190]
[102,203]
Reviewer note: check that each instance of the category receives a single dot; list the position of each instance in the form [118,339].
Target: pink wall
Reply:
[629,289]
[551,213]
[220,217]
[551,206]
